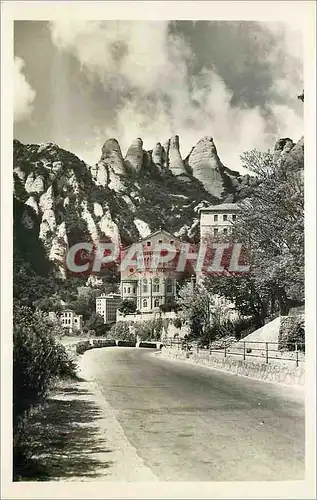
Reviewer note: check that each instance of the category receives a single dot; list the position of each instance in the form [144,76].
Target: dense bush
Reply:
[295,337]
[149,330]
[121,331]
[38,361]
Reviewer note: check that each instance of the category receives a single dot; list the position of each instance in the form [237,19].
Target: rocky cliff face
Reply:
[121,198]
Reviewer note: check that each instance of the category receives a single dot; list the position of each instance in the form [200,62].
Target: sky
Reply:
[78,83]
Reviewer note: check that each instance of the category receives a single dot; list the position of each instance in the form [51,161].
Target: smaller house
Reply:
[68,319]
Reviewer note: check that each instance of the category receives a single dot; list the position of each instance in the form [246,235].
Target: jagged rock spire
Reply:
[134,156]
[206,166]
[174,159]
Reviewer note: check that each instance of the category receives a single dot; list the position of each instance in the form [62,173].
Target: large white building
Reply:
[217,220]
[107,305]
[148,288]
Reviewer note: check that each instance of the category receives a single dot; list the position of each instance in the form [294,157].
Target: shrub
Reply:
[121,331]
[149,330]
[38,361]
[296,336]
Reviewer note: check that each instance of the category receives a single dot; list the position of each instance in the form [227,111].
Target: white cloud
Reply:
[24,95]
[146,71]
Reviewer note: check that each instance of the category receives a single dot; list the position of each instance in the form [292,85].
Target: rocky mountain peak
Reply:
[110,167]
[71,202]
[111,150]
[174,159]
[158,155]
[134,156]
[206,166]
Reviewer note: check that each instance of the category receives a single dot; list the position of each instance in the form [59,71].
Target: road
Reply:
[191,423]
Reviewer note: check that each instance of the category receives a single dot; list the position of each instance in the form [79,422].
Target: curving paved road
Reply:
[191,423]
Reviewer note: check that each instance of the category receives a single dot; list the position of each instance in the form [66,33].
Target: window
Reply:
[144,303]
[225,218]
[129,290]
[169,286]
[172,242]
[234,217]
[216,218]
[160,241]
[215,231]
[156,303]
[144,286]
[148,243]
[156,287]
[124,290]
[225,231]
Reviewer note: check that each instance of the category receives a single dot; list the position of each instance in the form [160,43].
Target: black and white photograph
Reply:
[157,315]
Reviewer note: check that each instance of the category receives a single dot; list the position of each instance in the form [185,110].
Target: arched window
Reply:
[144,303]
[156,303]
[145,286]
[156,285]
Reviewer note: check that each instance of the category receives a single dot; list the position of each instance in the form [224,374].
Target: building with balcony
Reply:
[150,288]
[107,305]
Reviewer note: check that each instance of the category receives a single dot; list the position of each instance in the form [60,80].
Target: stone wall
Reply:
[281,373]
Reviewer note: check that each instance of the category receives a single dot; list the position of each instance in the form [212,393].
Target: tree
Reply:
[47,304]
[271,223]
[197,308]
[271,226]
[95,322]
[250,297]
[122,331]
[127,307]
[150,330]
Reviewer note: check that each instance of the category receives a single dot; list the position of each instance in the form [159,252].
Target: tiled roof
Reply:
[222,206]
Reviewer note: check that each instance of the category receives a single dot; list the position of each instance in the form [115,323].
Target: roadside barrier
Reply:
[85,345]
[126,343]
[266,351]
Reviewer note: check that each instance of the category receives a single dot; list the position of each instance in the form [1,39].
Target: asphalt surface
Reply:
[191,423]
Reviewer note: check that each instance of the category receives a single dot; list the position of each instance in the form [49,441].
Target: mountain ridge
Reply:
[120,198]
